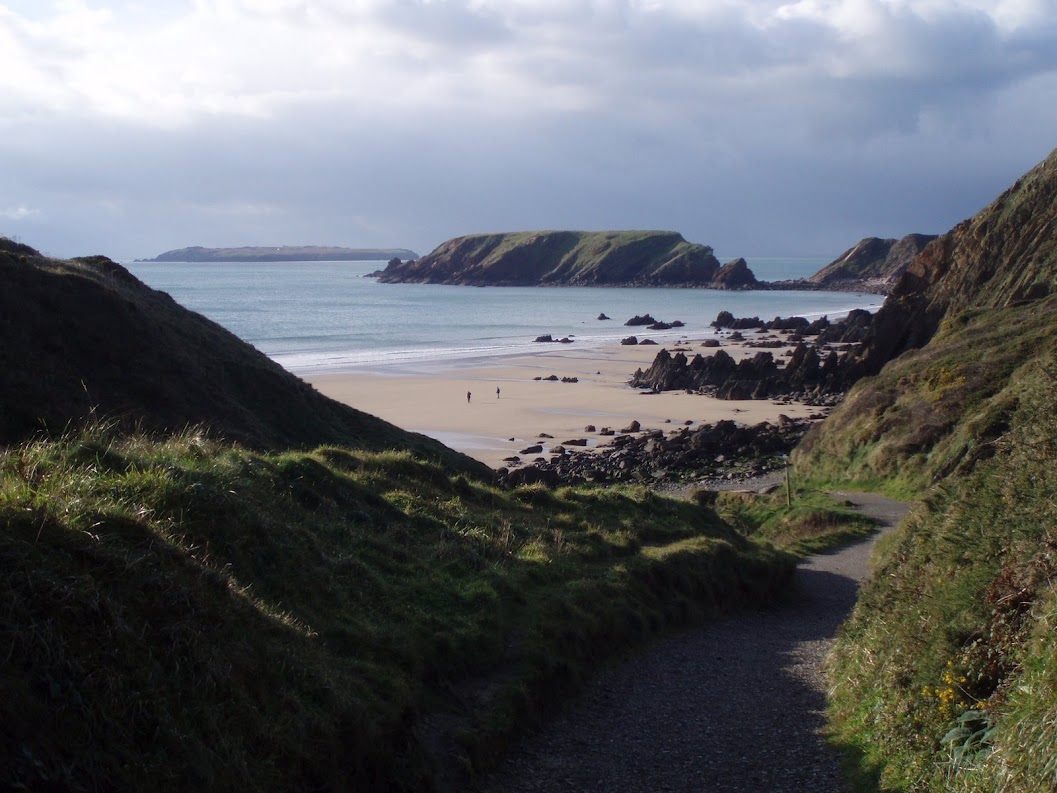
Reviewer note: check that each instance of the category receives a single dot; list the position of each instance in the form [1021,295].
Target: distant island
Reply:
[571,258]
[636,258]
[286,253]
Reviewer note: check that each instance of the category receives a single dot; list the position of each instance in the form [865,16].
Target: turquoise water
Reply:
[316,317]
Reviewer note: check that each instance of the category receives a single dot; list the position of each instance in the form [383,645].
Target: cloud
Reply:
[18,213]
[764,127]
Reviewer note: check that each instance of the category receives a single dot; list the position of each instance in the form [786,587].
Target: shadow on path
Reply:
[737,705]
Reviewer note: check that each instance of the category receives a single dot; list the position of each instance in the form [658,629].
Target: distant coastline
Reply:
[285,253]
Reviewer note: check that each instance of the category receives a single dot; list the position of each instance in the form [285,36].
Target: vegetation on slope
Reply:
[573,258]
[187,614]
[84,339]
[934,410]
[945,676]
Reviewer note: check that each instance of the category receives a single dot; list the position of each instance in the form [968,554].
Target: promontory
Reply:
[285,253]
[570,258]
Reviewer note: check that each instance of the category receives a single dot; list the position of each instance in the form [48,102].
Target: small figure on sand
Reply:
[497,392]
[467,397]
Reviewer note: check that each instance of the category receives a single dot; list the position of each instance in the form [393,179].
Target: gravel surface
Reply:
[734,706]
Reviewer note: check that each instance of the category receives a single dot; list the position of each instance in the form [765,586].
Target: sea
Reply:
[323,317]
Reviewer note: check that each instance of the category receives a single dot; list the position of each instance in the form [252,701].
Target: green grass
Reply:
[186,614]
[944,677]
[814,522]
[936,411]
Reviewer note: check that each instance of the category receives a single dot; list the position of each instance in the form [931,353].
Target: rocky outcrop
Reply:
[640,319]
[565,258]
[872,265]
[735,275]
[725,451]
[813,373]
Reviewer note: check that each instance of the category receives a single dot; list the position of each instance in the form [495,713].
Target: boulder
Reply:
[630,340]
[643,319]
[545,338]
[602,316]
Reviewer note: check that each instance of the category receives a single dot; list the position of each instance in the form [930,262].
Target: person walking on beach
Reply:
[497,392]
[467,397]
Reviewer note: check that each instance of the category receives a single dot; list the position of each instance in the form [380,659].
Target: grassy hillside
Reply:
[562,258]
[83,339]
[185,614]
[944,678]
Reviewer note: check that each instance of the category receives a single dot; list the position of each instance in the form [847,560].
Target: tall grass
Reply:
[944,678]
[181,613]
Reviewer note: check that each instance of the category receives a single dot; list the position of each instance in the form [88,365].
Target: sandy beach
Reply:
[490,427]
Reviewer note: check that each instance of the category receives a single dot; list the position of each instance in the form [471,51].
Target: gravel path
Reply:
[734,706]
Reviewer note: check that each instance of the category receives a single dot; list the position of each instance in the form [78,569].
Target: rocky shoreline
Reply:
[817,368]
[704,455]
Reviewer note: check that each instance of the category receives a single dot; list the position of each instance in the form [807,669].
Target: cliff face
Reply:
[972,309]
[565,258]
[872,264]
[1005,254]
[84,338]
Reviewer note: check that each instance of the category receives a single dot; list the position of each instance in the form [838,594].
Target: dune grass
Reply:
[183,613]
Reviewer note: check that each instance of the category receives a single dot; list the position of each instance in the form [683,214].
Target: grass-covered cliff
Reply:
[569,258]
[945,678]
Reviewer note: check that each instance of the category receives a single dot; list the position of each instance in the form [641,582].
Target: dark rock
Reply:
[544,435]
[630,340]
[634,426]
[589,428]
[647,341]
[644,319]
[710,343]
[735,275]
[545,338]
[535,449]
[602,316]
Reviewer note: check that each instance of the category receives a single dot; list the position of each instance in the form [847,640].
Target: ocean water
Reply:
[315,317]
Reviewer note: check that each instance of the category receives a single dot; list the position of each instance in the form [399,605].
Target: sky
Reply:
[759,127]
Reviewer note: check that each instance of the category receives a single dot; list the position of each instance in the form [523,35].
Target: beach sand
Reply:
[432,400]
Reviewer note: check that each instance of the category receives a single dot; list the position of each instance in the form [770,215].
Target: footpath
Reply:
[737,705]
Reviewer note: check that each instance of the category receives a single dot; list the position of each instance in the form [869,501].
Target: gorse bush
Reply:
[184,613]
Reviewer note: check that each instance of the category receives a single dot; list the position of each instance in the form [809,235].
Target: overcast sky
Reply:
[759,127]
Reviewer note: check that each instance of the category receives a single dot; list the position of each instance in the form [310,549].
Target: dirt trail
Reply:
[734,706]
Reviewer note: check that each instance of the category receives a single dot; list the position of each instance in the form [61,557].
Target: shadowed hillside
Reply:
[84,338]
